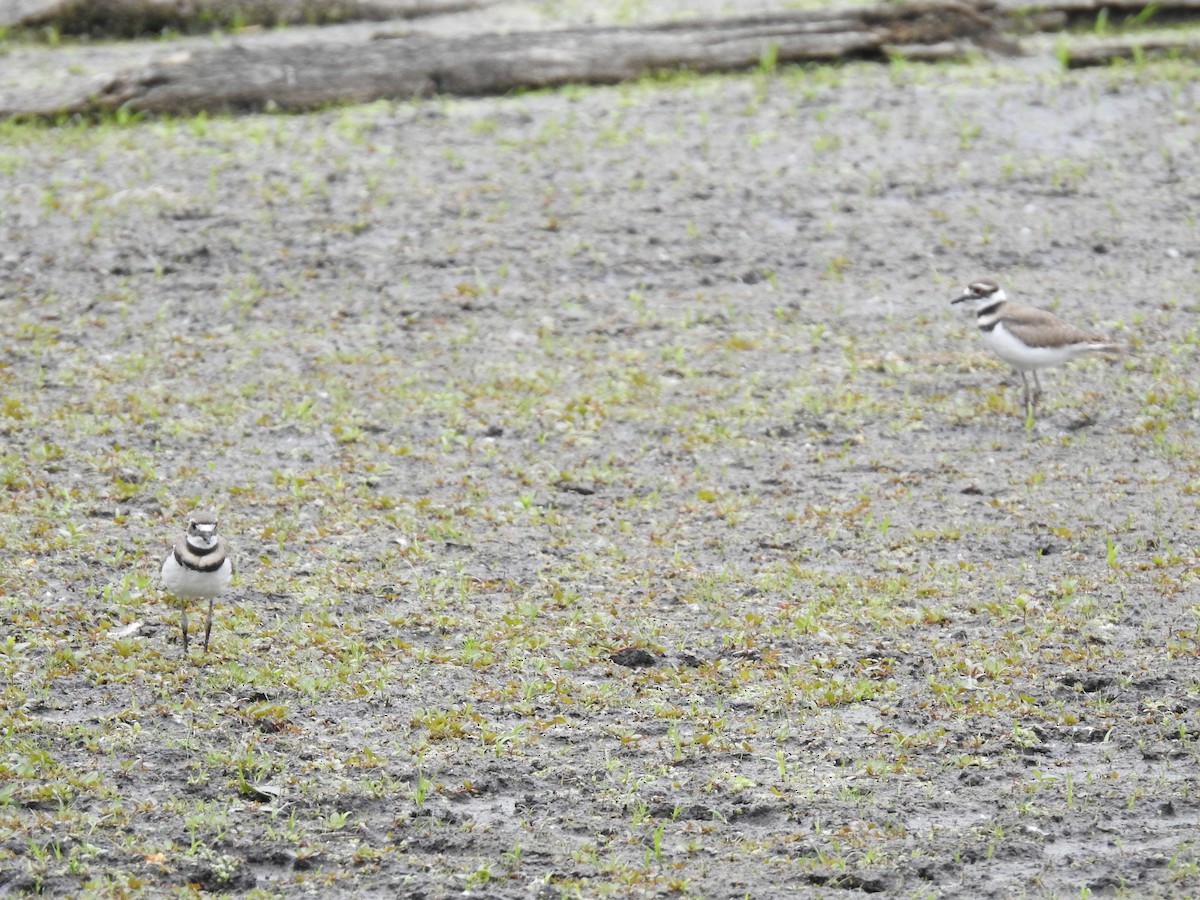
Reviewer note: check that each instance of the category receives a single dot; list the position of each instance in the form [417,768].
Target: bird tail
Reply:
[1106,348]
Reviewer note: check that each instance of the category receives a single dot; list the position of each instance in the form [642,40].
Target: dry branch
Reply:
[312,75]
[1017,15]
[1131,48]
[1093,7]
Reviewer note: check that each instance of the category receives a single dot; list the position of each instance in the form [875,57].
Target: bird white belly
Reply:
[1006,346]
[189,584]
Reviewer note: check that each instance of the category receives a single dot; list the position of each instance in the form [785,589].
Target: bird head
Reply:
[982,292]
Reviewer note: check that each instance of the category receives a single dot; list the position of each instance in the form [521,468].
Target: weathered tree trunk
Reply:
[131,18]
[250,75]
[313,75]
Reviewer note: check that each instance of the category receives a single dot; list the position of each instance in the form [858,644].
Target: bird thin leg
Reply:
[208,623]
[1037,388]
[183,625]
[1029,398]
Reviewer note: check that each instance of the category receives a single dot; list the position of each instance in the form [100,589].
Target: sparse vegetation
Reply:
[489,391]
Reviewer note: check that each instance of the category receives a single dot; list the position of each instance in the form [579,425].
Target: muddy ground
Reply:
[620,507]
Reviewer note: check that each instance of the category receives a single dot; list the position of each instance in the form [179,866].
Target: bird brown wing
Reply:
[1039,328]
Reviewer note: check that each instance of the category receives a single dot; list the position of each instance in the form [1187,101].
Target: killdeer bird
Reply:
[198,567]
[1028,339]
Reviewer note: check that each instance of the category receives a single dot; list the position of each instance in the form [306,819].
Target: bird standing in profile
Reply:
[1027,338]
[198,567]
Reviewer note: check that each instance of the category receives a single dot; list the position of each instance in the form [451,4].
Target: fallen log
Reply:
[308,76]
[133,18]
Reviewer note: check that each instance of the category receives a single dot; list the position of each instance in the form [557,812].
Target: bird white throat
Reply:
[1026,338]
[199,567]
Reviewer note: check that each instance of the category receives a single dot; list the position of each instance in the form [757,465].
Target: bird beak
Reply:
[965,295]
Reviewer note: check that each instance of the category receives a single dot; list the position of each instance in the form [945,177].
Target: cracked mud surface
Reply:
[620,506]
